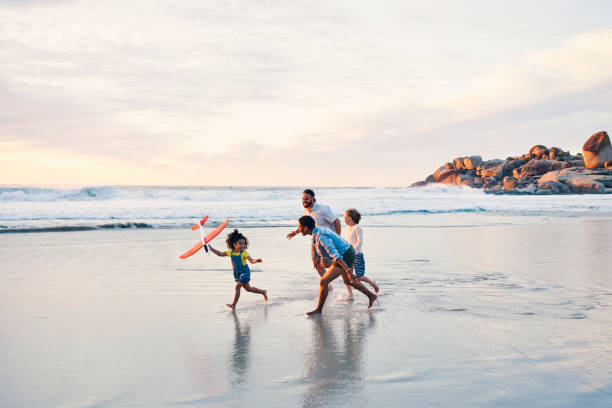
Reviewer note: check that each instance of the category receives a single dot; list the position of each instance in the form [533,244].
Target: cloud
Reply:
[289,90]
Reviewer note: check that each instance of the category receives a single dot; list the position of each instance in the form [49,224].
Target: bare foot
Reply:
[265,294]
[372,299]
[375,286]
[231,306]
[350,298]
[314,312]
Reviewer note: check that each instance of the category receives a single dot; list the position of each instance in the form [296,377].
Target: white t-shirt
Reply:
[323,216]
[354,235]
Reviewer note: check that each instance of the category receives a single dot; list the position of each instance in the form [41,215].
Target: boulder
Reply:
[532,168]
[472,162]
[528,189]
[465,179]
[495,171]
[490,183]
[538,151]
[597,150]
[449,177]
[490,163]
[581,180]
[554,187]
[559,165]
[510,183]
[576,163]
[439,170]
[458,163]
[582,185]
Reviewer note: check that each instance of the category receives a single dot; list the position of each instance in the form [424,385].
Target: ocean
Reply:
[31,209]
[484,300]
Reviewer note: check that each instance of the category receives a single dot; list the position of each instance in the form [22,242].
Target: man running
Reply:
[323,217]
[343,258]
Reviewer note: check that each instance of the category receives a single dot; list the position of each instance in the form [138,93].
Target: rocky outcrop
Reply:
[540,171]
[597,151]
[581,180]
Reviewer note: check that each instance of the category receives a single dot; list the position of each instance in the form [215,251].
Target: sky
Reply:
[292,93]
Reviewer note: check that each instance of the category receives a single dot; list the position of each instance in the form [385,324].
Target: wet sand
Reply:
[513,315]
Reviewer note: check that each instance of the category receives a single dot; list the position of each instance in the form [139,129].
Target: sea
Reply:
[39,209]
[485,300]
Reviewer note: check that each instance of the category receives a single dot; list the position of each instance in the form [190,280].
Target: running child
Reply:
[237,245]
[354,235]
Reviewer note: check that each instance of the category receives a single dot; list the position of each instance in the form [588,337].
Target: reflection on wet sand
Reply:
[240,354]
[334,369]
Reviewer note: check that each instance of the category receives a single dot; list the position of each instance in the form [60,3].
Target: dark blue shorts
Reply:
[244,278]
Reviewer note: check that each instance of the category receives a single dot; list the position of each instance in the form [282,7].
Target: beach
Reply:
[501,314]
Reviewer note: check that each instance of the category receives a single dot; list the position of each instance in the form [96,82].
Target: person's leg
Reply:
[329,276]
[350,291]
[253,289]
[359,286]
[321,271]
[236,296]
[369,281]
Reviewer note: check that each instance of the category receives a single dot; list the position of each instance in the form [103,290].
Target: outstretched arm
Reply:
[337,226]
[218,253]
[251,260]
[293,234]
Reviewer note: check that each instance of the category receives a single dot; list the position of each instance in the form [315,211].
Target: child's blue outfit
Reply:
[242,273]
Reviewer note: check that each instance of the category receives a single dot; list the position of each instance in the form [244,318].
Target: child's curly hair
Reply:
[354,214]
[234,237]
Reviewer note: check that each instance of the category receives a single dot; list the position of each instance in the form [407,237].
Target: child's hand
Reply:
[257,260]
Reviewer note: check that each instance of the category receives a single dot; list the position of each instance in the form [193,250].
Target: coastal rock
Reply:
[538,151]
[528,189]
[559,165]
[576,163]
[495,171]
[586,186]
[554,187]
[510,183]
[490,163]
[489,183]
[581,180]
[541,171]
[472,162]
[439,170]
[597,150]
[449,177]
[555,153]
[532,168]
[458,163]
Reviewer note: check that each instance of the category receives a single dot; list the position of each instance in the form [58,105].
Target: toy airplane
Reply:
[204,239]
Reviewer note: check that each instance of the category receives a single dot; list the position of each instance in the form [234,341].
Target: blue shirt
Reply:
[327,240]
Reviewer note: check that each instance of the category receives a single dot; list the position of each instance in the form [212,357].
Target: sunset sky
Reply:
[316,93]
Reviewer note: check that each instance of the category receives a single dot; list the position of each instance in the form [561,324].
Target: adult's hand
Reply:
[292,234]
